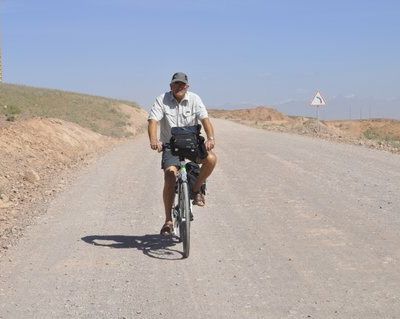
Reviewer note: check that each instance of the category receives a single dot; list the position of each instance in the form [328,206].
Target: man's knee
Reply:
[211,159]
[170,174]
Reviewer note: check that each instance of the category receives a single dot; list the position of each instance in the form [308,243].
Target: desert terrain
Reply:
[309,229]
[381,134]
[293,227]
[40,153]
[47,135]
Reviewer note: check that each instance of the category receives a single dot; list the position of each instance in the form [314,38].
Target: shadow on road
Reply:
[155,246]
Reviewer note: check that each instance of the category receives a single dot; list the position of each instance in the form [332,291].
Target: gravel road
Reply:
[294,227]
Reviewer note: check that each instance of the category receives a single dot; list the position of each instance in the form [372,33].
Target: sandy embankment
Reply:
[37,157]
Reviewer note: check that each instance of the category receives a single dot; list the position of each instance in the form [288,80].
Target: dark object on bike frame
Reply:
[188,143]
[193,171]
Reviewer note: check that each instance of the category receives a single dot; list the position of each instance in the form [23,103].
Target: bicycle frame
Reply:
[182,211]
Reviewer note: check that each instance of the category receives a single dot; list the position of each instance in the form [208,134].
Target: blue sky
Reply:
[235,52]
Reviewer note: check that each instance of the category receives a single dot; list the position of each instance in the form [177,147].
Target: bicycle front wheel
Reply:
[184,226]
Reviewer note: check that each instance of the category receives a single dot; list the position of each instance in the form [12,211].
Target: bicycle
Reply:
[186,143]
[182,210]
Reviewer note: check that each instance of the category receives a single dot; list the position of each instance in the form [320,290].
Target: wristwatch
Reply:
[211,138]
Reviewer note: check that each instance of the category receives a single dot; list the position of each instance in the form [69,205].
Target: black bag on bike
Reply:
[193,171]
[185,141]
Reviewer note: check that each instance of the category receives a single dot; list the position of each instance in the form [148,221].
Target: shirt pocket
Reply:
[172,116]
[188,116]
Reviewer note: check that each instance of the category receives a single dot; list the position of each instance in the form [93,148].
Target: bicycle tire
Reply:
[184,225]
[175,221]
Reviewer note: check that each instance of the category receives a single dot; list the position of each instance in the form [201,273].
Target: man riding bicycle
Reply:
[180,108]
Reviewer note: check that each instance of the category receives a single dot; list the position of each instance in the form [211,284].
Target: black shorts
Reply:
[168,159]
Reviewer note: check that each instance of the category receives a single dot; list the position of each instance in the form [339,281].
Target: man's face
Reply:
[179,89]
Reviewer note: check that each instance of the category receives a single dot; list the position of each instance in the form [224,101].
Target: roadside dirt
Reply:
[293,227]
[137,117]
[37,157]
[381,134]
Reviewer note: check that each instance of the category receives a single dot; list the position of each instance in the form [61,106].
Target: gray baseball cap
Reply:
[180,77]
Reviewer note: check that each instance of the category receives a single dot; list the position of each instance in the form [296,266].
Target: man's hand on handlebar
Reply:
[156,146]
[210,144]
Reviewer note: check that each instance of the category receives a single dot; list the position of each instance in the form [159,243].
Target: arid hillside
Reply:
[106,116]
[44,136]
[375,133]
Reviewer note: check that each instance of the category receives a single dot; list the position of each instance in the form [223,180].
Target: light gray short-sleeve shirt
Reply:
[170,113]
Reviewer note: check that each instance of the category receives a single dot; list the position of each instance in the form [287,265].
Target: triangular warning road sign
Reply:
[318,100]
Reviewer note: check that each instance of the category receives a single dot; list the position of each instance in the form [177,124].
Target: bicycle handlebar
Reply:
[165,146]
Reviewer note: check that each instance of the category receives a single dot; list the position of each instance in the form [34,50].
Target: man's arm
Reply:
[155,115]
[152,130]
[208,128]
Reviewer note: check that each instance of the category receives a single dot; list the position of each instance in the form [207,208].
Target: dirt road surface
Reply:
[294,227]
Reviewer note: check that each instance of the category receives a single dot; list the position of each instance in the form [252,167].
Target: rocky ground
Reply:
[37,159]
[308,229]
[38,155]
[381,134]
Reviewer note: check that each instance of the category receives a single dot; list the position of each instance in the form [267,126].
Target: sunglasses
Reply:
[180,84]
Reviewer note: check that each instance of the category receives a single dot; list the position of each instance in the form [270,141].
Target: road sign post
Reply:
[318,101]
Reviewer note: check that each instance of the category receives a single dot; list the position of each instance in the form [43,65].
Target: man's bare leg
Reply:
[169,191]
[207,167]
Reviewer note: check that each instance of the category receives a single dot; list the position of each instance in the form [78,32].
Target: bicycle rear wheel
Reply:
[184,225]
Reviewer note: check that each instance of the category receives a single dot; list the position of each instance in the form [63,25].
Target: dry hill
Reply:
[376,133]
[44,134]
[106,116]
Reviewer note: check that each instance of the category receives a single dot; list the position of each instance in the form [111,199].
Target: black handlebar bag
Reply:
[188,143]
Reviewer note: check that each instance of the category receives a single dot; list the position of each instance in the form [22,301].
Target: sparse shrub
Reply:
[94,127]
[393,142]
[120,123]
[382,138]
[10,117]
[10,112]
[370,134]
